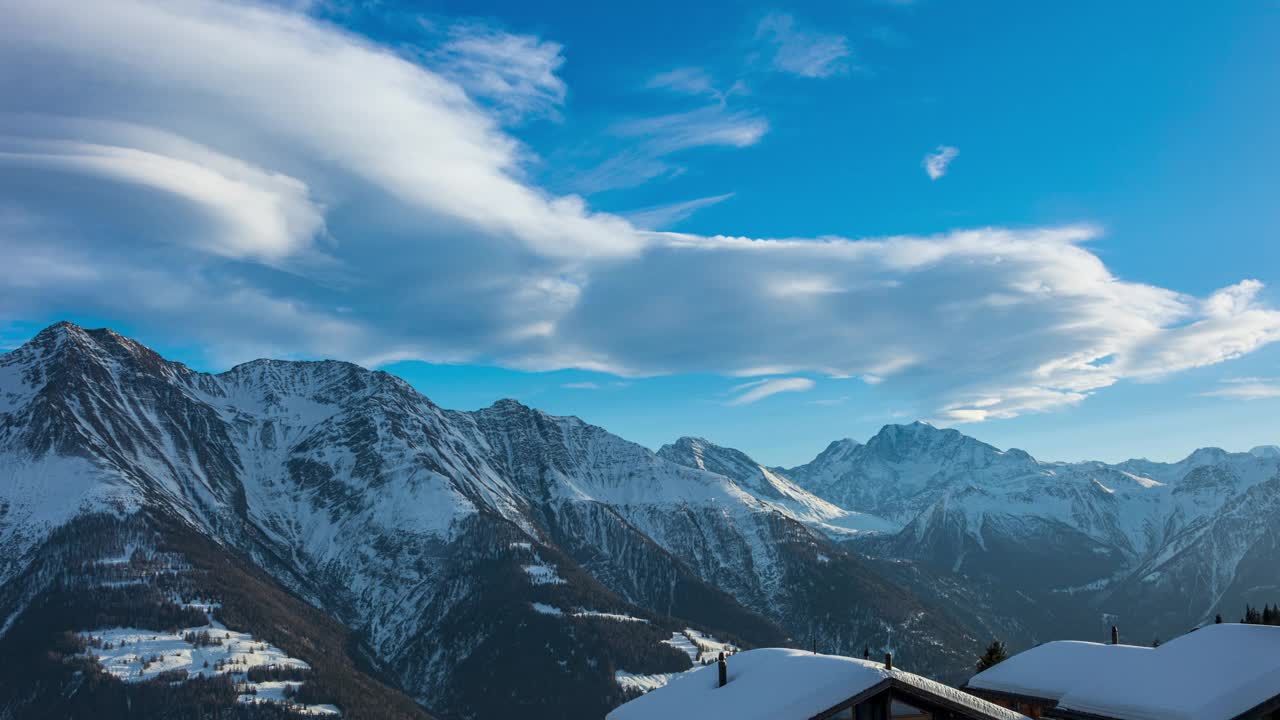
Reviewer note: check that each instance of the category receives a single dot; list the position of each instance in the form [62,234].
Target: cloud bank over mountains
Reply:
[251,178]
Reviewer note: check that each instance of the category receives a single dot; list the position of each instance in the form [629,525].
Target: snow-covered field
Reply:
[546,609]
[701,649]
[135,655]
[543,575]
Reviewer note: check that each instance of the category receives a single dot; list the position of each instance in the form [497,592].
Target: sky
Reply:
[1050,225]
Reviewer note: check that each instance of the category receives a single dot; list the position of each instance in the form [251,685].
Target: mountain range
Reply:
[472,564]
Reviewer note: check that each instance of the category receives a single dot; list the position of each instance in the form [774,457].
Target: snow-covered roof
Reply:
[1215,673]
[1053,669]
[783,684]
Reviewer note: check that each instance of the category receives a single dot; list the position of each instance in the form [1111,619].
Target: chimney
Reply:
[888,661]
[724,671]
[1115,635]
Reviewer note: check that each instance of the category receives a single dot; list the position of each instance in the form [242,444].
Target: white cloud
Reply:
[581,386]
[709,126]
[652,140]
[686,80]
[761,389]
[803,52]
[937,162]
[664,216]
[256,181]
[1247,389]
[516,72]
[915,312]
[239,78]
[694,81]
[261,215]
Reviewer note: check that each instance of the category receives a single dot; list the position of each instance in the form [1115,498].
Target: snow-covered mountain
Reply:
[773,488]
[1160,545]
[505,545]
[459,546]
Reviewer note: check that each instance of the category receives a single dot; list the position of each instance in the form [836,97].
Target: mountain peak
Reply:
[918,427]
[509,405]
[895,434]
[53,336]
[691,441]
[64,337]
[705,455]
[1206,455]
[510,409]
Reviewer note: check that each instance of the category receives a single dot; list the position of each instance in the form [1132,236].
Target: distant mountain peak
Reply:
[703,454]
[896,442]
[1266,451]
[1206,455]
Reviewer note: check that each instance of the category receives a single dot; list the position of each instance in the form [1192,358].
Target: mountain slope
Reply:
[1120,540]
[455,544]
[772,487]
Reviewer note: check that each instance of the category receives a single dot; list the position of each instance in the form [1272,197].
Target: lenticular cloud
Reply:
[268,184]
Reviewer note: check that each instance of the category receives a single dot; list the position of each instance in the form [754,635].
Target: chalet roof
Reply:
[1218,672]
[781,684]
[1051,670]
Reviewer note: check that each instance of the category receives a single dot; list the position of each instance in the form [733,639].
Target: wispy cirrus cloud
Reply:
[758,390]
[801,51]
[685,80]
[661,217]
[656,139]
[694,81]
[704,127]
[515,72]
[938,162]
[1248,388]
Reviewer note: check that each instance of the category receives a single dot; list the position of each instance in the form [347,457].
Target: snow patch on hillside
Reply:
[543,575]
[641,684]
[136,655]
[545,609]
[607,616]
[701,648]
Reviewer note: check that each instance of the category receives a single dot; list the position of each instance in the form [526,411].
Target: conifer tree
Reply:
[1252,616]
[994,655]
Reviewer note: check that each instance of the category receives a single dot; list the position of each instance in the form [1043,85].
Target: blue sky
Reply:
[717,219]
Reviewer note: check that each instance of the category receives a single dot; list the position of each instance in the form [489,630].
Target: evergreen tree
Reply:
[1252,616]
[994,655]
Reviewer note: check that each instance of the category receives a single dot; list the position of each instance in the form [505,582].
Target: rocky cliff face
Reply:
[1159,546]
[467,548]
[458,545]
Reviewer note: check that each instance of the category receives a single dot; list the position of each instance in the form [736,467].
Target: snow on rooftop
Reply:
[1050,670]
[1215,673]
[780,684]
